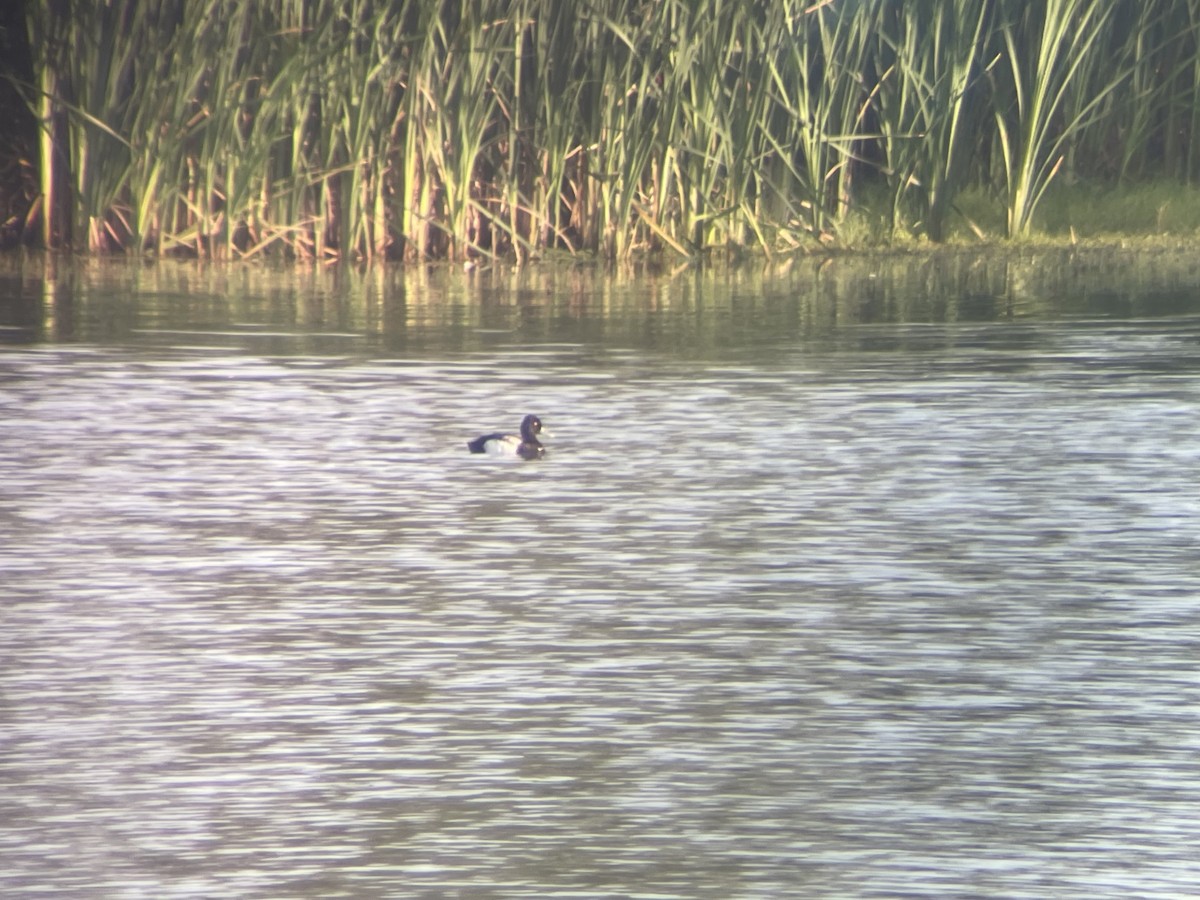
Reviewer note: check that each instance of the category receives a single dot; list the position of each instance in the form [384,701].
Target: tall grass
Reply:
[1059,77]
[930,103]
[325,129]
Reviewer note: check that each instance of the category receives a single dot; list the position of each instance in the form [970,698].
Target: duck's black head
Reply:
[531,427]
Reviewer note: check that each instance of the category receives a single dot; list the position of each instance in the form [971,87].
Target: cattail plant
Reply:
[417,129]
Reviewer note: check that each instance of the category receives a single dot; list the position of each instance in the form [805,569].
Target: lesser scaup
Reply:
[527,446]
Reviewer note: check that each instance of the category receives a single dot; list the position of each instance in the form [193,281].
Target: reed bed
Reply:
[419,129]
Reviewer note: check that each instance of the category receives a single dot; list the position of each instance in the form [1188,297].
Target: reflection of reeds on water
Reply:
[359,128]
[575,308]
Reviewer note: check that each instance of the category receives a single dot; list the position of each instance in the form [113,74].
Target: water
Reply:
[863,591]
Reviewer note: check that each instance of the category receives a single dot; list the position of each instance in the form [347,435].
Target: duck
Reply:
[526,446]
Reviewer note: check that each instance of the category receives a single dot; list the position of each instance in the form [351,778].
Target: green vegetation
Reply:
[322,129]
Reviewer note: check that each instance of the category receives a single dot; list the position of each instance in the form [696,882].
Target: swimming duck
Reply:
[527,446]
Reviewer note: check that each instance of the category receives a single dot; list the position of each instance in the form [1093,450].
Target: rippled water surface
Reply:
[834,585]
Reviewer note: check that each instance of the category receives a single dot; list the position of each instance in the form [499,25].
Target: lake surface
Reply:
[853,578]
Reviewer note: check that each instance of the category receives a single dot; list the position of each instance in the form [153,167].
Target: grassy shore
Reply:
[358,129]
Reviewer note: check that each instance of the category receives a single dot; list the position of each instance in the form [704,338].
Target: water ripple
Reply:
[898,623]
